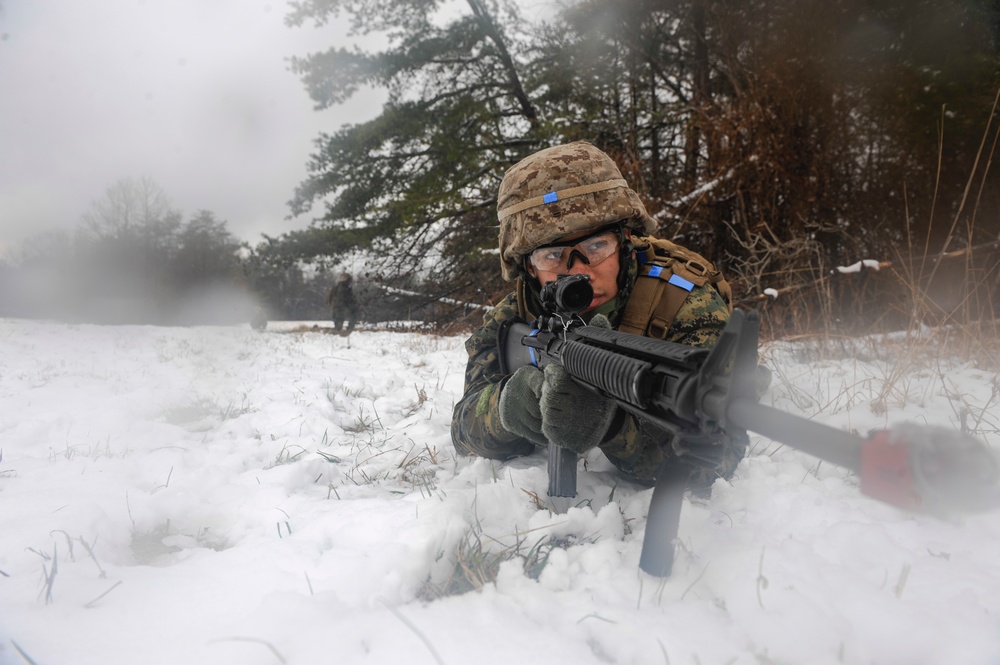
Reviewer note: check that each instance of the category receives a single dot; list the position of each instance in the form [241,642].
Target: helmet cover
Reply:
[560,191]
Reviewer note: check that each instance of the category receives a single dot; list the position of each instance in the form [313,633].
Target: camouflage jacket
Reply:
[341,295]
[632,445]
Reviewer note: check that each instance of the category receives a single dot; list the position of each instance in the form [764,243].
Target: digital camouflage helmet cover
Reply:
[559,191]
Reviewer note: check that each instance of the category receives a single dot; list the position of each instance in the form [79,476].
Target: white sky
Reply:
[193,93]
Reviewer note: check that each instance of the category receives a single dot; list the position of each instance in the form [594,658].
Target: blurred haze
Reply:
[194,94]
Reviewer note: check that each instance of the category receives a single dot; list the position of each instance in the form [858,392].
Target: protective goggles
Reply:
[592,249]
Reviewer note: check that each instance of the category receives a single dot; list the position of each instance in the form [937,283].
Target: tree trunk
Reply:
[528,109]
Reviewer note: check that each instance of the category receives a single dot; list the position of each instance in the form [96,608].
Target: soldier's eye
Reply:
[550,255]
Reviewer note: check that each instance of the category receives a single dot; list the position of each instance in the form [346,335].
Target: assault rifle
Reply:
[695,395]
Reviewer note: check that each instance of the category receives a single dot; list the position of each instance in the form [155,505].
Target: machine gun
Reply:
[695,395]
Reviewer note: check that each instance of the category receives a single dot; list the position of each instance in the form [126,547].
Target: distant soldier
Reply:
[343,306]
[259,319]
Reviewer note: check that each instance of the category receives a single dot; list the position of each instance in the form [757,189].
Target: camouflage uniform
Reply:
[259,319]
[631,445]
[588,192]
[343,306]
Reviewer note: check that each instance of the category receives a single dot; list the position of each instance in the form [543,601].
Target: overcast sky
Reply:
[195,94]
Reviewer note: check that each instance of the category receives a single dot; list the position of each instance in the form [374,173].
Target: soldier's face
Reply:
[603,275]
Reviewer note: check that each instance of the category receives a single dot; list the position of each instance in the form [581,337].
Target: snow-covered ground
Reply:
[222,496]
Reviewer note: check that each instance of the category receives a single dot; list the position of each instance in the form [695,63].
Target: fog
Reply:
[195,95]
[45,292]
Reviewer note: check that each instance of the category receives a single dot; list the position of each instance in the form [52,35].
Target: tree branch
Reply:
[490,28]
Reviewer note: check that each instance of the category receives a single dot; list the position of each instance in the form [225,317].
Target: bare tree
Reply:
[130,207]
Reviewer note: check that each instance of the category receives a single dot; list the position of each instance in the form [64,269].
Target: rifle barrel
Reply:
[829,444]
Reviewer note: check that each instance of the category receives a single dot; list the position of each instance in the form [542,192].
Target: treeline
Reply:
[782,138]
[135,260]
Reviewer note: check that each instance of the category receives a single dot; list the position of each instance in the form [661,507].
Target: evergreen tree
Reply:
[422,175]
[206,253]
[778,137]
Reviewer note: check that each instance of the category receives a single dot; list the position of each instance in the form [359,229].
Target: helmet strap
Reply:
[530,281]
[627,269]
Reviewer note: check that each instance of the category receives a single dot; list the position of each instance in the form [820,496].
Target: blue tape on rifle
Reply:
[531,350]
[677,280]
[551,197]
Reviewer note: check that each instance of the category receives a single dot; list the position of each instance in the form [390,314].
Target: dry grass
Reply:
[477,559]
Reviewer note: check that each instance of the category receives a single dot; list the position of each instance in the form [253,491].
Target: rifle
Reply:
[696,395]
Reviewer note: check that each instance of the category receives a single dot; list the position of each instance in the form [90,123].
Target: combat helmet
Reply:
[559,191]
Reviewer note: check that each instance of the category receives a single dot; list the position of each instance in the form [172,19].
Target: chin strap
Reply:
[527,290]
[626,267]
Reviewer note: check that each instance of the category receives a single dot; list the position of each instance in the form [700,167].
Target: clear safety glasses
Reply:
[593,250]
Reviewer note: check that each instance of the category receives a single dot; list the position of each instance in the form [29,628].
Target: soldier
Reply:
[259,319]
[343,306]
[567,210]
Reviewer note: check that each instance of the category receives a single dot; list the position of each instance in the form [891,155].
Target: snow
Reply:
[695,194]
[223,496]
[871,264]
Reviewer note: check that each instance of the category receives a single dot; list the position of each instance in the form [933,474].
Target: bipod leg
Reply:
[664,518]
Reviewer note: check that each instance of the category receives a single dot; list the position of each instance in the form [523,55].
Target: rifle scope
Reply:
[569,294]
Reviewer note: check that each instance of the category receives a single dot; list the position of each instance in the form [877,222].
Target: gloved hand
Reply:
[520,408]
[572,416]
[550,407]
[710,457]
[704,451]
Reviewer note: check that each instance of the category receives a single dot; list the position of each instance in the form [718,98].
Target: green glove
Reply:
[572,416]
[550,407]
[520,412]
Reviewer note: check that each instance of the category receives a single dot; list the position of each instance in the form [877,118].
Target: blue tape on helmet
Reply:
[551,197]
[677,280]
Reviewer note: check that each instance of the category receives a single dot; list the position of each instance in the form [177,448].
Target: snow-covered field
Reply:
[222,496]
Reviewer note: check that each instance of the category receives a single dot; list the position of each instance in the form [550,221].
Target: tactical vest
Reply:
[667,274]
